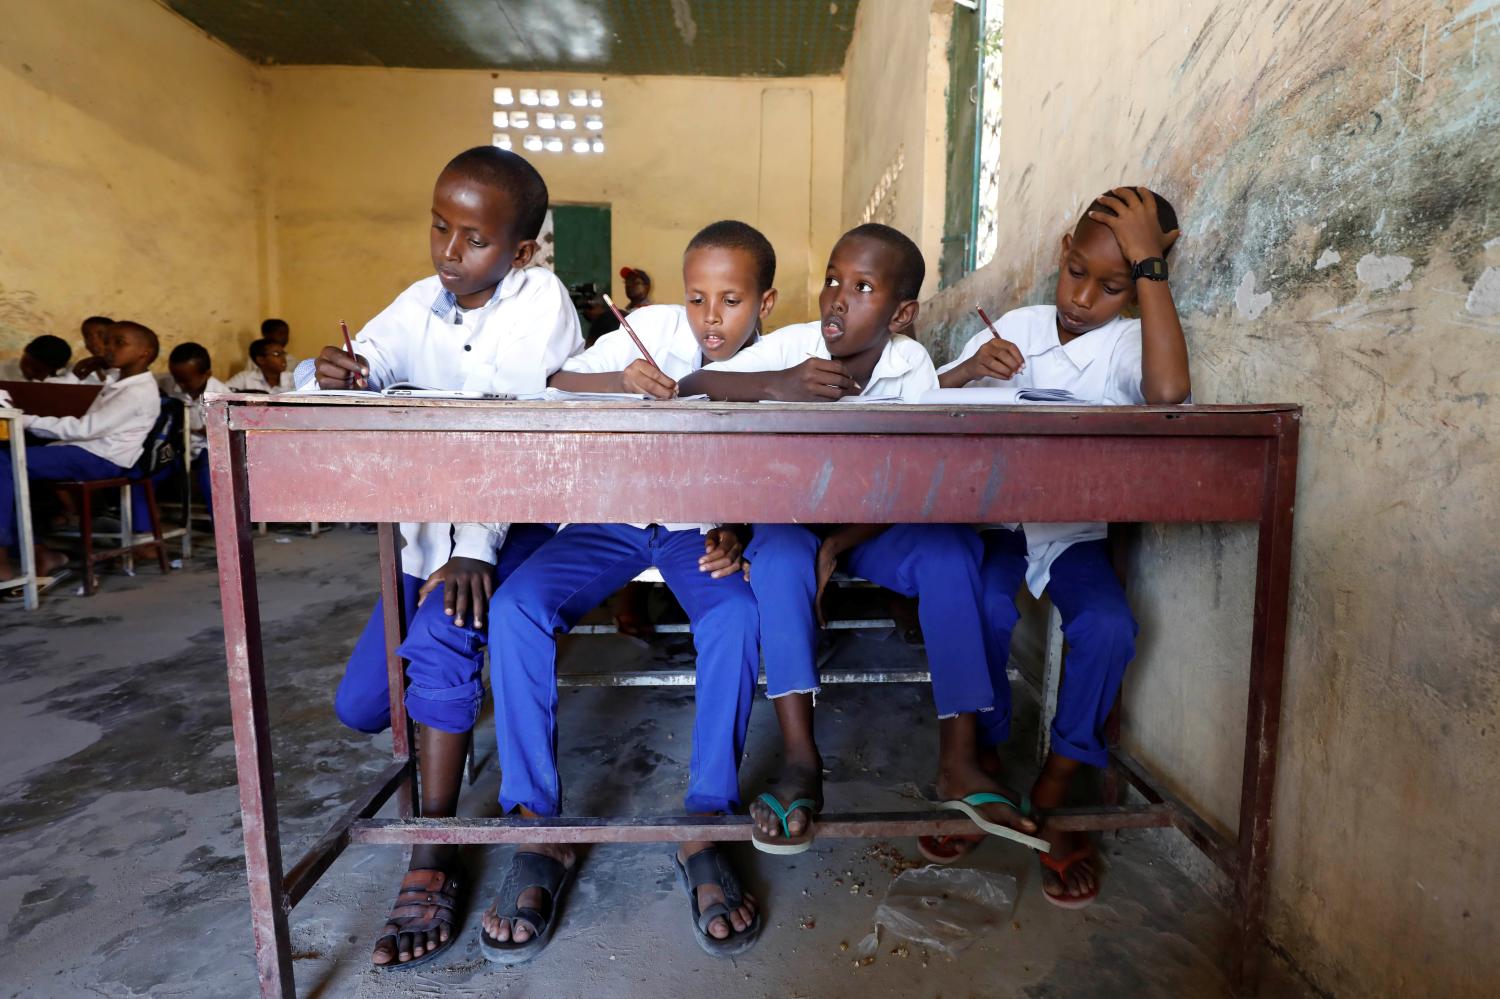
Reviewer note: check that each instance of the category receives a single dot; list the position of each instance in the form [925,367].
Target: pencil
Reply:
[637,340]
[349,346]
[988,323]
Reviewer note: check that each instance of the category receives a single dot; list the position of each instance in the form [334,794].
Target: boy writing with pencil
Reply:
[485,321]
[860,349]
[727,272]
[1113,258]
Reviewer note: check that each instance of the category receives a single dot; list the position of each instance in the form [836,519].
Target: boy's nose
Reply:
[450,252]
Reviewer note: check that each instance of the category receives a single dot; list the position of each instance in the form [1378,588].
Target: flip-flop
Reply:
[708,867]
[1061,868]
[44,584]
[786,844]
[527,870]
[429,898]
[969,806]
[947,849]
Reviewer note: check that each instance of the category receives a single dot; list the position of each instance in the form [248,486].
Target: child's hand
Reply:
[468,583]
[337,370]
[1135,224]
[642,376]
[995,358]
[88,366]
[828,560]
[721,553]
[816,380]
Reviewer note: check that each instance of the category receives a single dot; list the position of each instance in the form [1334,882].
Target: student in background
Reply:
[637,288]
[728,271]
[191,377]
[92,367]
[103,443]
[485,321]
[1115,257]
[280,333]
[860,348]
[267,372]
[44,359]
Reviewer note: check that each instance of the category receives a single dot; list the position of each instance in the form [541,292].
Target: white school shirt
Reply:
[513,343]
[665,331]
[193,408]
[116,424]
[252,379]
[1102,367]
[904,369]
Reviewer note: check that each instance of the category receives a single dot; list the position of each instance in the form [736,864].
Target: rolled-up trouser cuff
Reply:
[449,709]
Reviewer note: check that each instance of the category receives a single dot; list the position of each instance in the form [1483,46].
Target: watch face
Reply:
[1155,269]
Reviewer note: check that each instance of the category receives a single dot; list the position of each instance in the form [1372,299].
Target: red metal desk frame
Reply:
[309,458]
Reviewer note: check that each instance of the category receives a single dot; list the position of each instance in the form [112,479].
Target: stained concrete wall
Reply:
[1338,173]
[355,153]
[895,124]
[129,175]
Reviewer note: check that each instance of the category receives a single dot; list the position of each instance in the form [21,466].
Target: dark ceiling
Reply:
[626,37]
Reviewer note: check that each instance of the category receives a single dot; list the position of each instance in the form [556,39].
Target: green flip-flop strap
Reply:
[782,812]
[991,798]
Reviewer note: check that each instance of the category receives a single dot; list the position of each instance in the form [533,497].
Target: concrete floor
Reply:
[121,862]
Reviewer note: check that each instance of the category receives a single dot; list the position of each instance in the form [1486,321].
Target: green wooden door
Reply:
[581,244]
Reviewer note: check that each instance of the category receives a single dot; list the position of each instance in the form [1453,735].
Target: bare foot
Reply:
[423,916]
[532,898]
[963,778]
[709,894]
[798,780]
[1081,877]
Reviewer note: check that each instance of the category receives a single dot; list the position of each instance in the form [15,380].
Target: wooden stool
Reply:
[84,490]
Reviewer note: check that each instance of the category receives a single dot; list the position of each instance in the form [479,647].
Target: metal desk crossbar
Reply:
[275,459]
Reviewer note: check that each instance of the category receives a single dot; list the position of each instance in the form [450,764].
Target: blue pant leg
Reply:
[139,511]
[562,581]
[444,688]
[46,463]
[363,699]
[203,484]
[939,565]
[783,577]
[1001,573]
[1101,634]
[726,632]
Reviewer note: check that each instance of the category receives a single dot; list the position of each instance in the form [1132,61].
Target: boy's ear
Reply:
[904,316]
[767,302]
[525,250]
[1067,244]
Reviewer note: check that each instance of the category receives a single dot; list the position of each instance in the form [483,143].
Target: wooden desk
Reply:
[295,458]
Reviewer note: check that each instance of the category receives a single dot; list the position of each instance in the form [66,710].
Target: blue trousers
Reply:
[46,463]
[1098,626]
[570,575]
[936,563]
[363,699]
[443,686]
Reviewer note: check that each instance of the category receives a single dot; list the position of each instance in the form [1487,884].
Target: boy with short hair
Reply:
[860,348]
[92,367]
[45,359]
[191,377]
[267,373]
[279,332]
[728,271]
[1114,257]
[103,443]
[485,321]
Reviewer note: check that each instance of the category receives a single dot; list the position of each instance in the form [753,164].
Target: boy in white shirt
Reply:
[190,378]
[103,443]
[1114,257]
[486,321]
[267,373]
[92,367]
[727,272]
[279,332]
[860,348]
[44,359]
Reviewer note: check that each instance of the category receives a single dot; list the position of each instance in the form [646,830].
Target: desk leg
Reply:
[23,513]
[1263,720]
[395,634]
[247,705]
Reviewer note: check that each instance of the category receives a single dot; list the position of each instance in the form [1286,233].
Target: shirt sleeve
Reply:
[480,541]
[1123,387]
[922,378]
[611,352]
[107,415]
[769,353]
[969,350]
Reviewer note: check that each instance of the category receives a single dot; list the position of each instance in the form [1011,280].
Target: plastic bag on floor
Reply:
[944,909]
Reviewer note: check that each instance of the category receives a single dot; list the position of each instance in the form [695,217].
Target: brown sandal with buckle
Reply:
[429,900]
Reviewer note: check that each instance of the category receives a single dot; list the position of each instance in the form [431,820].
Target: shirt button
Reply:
[468,347]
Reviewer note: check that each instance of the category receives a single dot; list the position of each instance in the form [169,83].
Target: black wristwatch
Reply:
[1152,268]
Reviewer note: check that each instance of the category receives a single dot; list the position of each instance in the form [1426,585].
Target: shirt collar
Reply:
[1083,350]
[892,363]
[446,302]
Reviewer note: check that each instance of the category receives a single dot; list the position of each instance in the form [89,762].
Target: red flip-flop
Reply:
[947,849]
[1061,868]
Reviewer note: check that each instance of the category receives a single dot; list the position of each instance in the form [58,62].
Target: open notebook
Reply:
[411,390]
[999,397]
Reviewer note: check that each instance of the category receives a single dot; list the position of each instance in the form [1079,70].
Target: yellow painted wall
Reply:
[129,171]
[354,153]
[895,131]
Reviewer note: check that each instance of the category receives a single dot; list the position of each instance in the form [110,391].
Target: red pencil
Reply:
[988,323]
[349,346]
[637,340]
